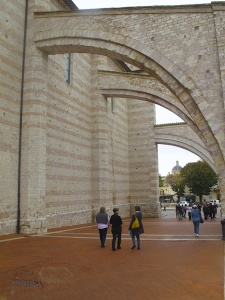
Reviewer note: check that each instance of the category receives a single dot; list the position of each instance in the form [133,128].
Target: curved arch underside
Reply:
[187,145]
[149,97]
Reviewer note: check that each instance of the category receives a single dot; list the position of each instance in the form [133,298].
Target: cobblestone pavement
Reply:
[68,264]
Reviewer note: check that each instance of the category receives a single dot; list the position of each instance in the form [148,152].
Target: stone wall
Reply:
[143,154]
[148,209]
[11,40]
[69,141]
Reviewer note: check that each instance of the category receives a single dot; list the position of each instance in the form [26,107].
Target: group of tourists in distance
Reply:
[103,221]
[195,213]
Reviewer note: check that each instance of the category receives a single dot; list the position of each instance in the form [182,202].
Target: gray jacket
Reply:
[102,218]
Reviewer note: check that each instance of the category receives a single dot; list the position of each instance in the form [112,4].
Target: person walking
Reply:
[136,231]
[196,216]
[183,211]
[116,223]
[206,211]
[179,212]
[189,212]
[102,221]
[211,211]
[215,206]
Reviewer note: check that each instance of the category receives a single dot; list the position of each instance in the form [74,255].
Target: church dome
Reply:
[177,168]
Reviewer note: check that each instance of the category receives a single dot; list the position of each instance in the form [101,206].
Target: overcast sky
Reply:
[84,4]
[167,155]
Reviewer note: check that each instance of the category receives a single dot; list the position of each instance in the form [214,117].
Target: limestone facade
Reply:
[68,147]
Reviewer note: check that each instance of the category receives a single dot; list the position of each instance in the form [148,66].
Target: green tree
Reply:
[177,184]
[199,177]
[161,181]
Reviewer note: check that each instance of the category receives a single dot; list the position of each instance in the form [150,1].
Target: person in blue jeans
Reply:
[137,231]
[195,215]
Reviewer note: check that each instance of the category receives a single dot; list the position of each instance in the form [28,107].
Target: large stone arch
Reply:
[150,61]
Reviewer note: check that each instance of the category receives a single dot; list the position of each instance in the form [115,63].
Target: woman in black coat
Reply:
[116,222]
[136,232]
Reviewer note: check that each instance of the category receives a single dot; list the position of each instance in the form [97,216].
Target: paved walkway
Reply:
[68,264]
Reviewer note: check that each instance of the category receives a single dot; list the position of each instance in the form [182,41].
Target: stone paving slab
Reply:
[68,263]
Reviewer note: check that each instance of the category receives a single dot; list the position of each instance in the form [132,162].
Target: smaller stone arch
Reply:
[185,146]
[182,136]
[132,94]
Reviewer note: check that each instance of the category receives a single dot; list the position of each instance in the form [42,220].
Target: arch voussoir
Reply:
[130,48]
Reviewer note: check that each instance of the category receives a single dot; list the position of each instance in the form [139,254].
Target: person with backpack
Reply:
[116,223]
[136,227]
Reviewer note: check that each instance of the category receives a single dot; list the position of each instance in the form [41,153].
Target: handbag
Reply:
[135,224]
[201,220]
